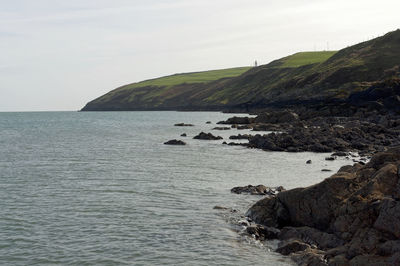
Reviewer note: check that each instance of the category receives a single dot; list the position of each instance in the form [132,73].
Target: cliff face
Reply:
[353,217]
[299,79]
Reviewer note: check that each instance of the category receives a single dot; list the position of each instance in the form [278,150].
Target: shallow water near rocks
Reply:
[100,188]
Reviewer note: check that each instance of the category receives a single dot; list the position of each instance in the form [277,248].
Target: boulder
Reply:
[389,217]
[258,190]
[237,120]
[240,136]
[261,232]
[207,136]
[293,246]
[175,142]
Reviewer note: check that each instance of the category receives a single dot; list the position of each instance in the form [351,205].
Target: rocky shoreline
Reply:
[292,133]
[350,218]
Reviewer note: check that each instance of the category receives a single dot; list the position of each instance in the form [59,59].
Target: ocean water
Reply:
[100,188]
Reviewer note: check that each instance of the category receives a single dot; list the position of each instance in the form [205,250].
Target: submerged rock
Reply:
[258,190]
[221,128]
[175,142]
[207,136]
[184,125]
[221,208]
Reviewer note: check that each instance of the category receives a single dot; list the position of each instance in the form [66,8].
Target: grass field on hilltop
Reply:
[305,58]
[189,78]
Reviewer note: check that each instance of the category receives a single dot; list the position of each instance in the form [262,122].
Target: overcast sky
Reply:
[58,55]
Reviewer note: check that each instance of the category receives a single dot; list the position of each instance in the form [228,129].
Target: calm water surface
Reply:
[101,189]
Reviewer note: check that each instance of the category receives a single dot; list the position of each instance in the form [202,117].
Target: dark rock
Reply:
[326,170]
[284,116]
[261,232]
[354,136]
[207,136]
[183,125]
[241,127]
[237,120]
[331,158]
[350,168]
[240,136]
[352,217]
[339,154]
[221,208]
[175,142]
[236,144]
[389,217]
[183,135]
[258,190]
[289,247]
[311,236]
[208,122]
[221,128]
[310,257]
[244,223]
[309,162]
[269,127]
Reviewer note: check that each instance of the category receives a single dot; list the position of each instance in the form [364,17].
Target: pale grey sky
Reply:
[58,55]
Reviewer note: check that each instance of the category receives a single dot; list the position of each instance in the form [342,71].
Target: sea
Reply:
[101,188]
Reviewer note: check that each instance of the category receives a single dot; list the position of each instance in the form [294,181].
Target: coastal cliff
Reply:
[303,79]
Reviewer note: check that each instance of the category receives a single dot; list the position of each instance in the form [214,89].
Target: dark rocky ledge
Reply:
[175,142]
[350,218]
[207,136]
[366,134]
[258,190]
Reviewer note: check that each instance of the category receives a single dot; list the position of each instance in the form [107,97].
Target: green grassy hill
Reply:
[302,59]
[189,78]
[300,77]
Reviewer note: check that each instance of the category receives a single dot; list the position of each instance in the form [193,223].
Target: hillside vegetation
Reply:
[195,77]
[295,79]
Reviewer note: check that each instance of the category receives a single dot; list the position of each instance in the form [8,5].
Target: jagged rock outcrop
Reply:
[207,136]
[352,136]
[350,218]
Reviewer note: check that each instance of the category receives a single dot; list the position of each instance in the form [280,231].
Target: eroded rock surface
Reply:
[258,190]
